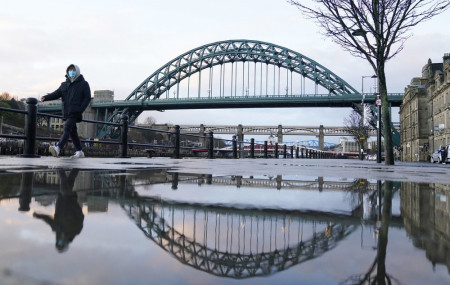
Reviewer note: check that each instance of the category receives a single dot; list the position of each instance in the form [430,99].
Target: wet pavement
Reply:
[223,221]
[349,168]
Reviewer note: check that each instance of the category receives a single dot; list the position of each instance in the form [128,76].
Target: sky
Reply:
[118,44]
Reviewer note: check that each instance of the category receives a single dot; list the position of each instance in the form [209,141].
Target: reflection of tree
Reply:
[358,190]
[377,273]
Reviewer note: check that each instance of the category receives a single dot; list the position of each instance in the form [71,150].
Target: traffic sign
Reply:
[378,102]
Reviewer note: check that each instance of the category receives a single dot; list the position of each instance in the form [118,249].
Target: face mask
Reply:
[72,73]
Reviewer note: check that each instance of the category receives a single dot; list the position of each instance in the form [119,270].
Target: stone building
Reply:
[424,113]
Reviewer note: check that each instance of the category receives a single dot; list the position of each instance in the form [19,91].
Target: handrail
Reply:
[240,149]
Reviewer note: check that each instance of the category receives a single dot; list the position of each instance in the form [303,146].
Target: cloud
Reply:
[119,44]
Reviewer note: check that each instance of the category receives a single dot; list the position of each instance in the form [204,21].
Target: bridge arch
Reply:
[222,52]
[231,51]
[163,223]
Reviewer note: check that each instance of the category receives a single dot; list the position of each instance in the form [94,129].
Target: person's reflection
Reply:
[68,218]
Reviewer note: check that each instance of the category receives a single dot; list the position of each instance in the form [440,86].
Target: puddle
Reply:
[164,227]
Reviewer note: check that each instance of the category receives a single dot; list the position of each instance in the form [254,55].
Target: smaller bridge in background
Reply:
[276,131]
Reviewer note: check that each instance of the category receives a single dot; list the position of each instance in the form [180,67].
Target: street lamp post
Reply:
[363,112]
[378,103]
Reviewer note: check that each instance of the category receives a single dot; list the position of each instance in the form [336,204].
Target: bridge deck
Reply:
[267,101]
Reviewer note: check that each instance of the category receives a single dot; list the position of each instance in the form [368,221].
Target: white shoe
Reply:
[78,154]
[54,150]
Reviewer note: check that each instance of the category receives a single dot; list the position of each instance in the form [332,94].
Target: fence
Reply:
[238,149]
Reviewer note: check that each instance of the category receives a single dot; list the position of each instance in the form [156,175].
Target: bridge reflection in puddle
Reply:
[286,229]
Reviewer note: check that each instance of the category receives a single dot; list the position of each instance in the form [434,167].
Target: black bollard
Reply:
[174,181]
[252,148]
[292,151]
[124,136]
[30,129]
[284,151]
[276,150]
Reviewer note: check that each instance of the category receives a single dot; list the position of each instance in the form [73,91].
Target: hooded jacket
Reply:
[75,95]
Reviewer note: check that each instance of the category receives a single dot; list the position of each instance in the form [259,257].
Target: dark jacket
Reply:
[75,97]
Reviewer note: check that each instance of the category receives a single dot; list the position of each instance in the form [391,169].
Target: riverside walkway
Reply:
[339,168]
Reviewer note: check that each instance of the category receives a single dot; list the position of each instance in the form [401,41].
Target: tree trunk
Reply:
[385,115]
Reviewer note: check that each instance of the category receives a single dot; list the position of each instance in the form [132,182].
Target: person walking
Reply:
[444,154]
[75,94]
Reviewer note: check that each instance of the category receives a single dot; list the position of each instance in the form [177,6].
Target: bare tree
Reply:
[375,30]
[356,127]
[5,96]
[149,121]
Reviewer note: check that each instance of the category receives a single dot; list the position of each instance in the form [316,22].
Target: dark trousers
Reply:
[70,130]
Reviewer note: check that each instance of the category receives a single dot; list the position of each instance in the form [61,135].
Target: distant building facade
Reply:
[425,112]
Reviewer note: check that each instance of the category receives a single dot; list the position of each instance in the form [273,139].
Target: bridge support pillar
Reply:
[202,134]
[321,138]
[280,134]
[211,145]
[238,181]
[320,181]
[279,180]
[240,136]
[265,149]
[234,147]
[240,133]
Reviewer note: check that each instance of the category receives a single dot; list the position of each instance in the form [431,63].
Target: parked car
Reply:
[436,156]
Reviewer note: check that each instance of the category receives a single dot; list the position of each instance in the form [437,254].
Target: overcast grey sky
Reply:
[118,44]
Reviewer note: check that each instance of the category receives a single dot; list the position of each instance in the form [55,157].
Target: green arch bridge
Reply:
[235,74]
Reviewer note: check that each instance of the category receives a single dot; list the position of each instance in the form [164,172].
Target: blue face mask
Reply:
[72,73]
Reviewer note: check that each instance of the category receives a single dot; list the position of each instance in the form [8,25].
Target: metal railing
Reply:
[239,149]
